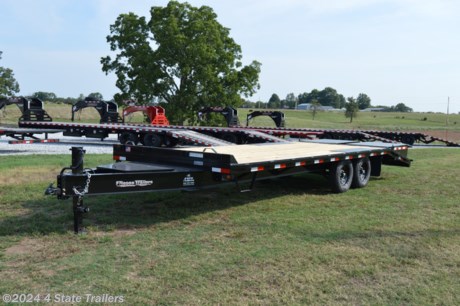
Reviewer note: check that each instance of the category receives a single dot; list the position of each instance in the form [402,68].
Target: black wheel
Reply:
[171,142]
[362,173]
[153,140]
[408,139]
[128,138]
[230,137]
[341,176]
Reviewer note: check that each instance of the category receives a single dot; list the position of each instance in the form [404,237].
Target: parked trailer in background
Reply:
[147,169]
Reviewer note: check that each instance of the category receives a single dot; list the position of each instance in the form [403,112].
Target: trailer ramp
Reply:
[198,138]
[261,136]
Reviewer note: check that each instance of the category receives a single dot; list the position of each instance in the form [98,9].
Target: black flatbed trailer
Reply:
[149,169]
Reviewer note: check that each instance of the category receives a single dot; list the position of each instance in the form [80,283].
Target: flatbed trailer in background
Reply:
[149,169]
[409,138]
[159,135]
[24,135]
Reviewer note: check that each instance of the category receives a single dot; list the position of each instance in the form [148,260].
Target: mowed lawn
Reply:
[289,241]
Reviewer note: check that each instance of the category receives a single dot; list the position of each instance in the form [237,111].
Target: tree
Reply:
[291,101]
[401,107]
[45,96]
[326,97]
[363,101]
[8,84]
[182,55]
[96,96]
[274,101]
[351,109]
[315,105]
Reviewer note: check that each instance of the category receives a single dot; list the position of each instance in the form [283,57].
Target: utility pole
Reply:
[447,116]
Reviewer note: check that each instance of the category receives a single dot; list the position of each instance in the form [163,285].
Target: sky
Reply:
[395,51]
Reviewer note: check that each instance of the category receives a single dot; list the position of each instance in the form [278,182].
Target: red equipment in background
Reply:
[155,114]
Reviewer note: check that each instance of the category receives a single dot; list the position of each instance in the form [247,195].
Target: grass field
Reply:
[287,242]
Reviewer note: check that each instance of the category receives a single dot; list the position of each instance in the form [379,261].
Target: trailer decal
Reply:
[135,183]
[280,166]
[188,181]
[221,170]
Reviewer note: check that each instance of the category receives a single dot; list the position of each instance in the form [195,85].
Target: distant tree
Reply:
[248,104]
[67,100]
[340,103]
[96,96]
[274,101]
[45,96]
[315,106]
[8,84]
[351,109]
[291,101]
[401,107]
[302,98]
[326,97]
[363,101]
[183,55]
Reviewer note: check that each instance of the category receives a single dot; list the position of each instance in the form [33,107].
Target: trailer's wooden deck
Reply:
[253,153]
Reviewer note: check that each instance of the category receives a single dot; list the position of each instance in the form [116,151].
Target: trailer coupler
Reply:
[51,190]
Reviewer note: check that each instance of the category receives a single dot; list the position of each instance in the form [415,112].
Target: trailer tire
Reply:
[128,138]
[153,140]
[362,173]
[230,137]
[170,141]
[408,139]
[341,176]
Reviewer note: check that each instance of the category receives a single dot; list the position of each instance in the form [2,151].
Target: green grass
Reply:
[290,241]
[364,120]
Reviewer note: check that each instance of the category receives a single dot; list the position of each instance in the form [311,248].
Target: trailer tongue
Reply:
[149,169]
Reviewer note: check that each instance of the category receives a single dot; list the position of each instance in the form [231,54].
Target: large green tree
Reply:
[8,84]
[183,56]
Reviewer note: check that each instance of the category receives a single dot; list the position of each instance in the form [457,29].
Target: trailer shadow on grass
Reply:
[117,212]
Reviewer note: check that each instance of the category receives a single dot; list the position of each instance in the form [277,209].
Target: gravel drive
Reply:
[91,145]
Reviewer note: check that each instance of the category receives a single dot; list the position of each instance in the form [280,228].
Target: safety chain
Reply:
[80,194]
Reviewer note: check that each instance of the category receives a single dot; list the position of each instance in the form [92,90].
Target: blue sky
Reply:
[393,50]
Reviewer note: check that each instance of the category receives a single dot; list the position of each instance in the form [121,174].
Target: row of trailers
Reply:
[148,161]
[158,132]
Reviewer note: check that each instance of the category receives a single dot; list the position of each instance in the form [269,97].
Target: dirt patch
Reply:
[25,246]
[11,177]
